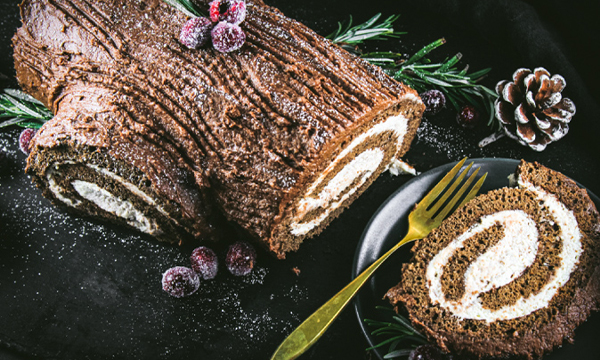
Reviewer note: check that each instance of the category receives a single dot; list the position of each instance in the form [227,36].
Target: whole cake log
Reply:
[279,136]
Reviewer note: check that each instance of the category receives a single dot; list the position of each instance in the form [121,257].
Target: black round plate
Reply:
[389,225]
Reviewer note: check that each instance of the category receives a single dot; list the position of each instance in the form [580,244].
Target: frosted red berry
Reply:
[231,11]
[215,9]
[434,101]
[468,117]
[236,12]
[240,258]
[204,262]
[227,37]
[25,140]
[425,352]
[195,32]
[180,281]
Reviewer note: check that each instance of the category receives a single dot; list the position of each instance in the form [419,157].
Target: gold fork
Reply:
[425,217]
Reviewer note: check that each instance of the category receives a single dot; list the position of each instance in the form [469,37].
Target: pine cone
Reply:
[532,108]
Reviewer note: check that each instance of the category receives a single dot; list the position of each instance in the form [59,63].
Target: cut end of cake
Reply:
[354,164]
[504,275]
[93,183]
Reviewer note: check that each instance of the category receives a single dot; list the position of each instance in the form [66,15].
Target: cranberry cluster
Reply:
[180,281]
[223,27]
[435,101]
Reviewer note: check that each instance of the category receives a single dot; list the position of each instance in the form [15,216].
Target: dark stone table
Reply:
[71,288]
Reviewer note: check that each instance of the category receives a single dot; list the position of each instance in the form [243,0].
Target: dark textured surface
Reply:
[75,289]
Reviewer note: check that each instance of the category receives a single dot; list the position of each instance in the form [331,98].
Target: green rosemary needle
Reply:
[18,108]
[186,6]
[459,86]
[349,36]
[395,332]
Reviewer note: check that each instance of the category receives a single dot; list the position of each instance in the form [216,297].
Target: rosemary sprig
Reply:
[395,332]
[18,108]
[459,86]
[349,36]
[186,6]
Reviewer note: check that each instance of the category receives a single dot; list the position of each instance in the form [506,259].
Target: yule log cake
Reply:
[512,273]
[279,136]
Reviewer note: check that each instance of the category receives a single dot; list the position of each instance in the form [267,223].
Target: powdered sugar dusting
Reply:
[443,141]
[79,276]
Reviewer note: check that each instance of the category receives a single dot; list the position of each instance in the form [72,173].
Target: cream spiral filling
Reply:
[349,179]
[114,205]
[104,199]
[507,260]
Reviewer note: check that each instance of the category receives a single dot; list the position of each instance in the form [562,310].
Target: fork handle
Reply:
[315,325]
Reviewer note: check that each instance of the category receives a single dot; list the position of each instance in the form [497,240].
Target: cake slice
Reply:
[279,136]
[511,273]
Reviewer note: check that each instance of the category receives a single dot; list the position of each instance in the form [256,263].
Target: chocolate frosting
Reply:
[248,127]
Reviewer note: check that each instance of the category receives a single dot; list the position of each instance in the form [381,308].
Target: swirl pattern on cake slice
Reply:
[513,272]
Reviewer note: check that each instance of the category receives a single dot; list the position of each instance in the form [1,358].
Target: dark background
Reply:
[71,288]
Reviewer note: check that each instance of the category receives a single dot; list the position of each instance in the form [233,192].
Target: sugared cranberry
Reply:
[468,117]
[425,352]
[240,258]
[234,12]
[195,32]
[227,37]
[434,101]
[204,262]
[180,281]
[25,140]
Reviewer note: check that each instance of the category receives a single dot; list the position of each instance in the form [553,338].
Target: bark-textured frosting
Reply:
[512,273]
[241,133]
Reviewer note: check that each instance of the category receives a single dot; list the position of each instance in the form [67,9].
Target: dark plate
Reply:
[389,225]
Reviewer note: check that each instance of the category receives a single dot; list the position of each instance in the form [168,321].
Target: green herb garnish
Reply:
[418,71]
[18,108]
[186,6]
[398,331]
[458,85]
[349,36]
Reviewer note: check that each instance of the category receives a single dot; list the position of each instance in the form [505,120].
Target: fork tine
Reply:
[441,185]
[455,183]
[451,205]
[474,190]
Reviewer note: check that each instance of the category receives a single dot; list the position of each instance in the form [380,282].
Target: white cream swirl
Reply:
[507,260]
[106,200]
[355,173]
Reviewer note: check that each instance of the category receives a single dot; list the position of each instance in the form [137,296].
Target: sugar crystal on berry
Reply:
[204,262]
[227,37]
[240,258]
[180,281]
[25,140]
[195,32]
[231,11]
